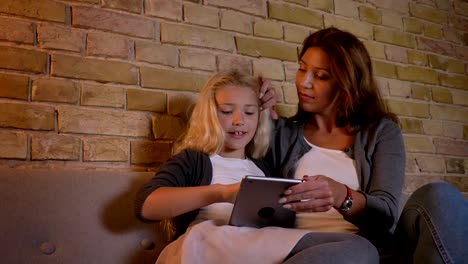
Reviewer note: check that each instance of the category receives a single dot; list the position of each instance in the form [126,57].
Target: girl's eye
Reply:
[224,112]
[249,113]
[322,76]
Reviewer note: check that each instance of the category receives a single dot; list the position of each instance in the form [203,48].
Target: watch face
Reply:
[346,205]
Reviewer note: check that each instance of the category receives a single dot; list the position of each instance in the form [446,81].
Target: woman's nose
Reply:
[307,80]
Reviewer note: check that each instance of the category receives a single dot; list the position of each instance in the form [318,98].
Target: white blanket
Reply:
[213,242]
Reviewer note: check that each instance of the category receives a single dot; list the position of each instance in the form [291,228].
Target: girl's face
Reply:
[238,112]
[315,85]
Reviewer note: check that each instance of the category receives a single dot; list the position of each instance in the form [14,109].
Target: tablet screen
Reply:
[257,203]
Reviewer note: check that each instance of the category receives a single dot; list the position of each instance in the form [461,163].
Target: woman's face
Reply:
[316,88]
[238,112]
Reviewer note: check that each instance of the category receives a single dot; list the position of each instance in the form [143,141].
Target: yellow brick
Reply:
[13,145]
[383,69]
[55,147]
[375,49]
[16,30]
[27,116]
[52,36]
[146,100]
[149,152]
[197,60]
[100,95]
[107,20]
[180,104]
[448,112]
[295,34]
[411,125]
[105,149]
[268,29]
[358,28]
[43,9]
[417,58]
[201,15]
[420,92]
[93,69]
[441,95]
[295,14]
[167,127]
[412,25]
[286,110]
[417,74]
[23,59]
[394,37]
[418,144]
[465,132]
[300,2]
[447,64]
[235,21]
[290,93]
[247,6]
[107,45]
[103,122]
[55,90]
[461,7]
[460,97]
[347,8]
[127,5]
[270,69]
[155,53]
[324,5]
[164,79]
[196,36]
[393,20]
[428,13]
[404,108]
[164,8]
[454,81]
[433,31]
[370,15]
[266,48]
[14,86]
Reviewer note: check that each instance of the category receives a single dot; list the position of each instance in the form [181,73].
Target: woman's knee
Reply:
[434,194]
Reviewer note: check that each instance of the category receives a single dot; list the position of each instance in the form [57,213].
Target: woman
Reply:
[343,142]
[349,150]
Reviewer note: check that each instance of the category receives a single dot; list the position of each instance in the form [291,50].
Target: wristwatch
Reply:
[348,202]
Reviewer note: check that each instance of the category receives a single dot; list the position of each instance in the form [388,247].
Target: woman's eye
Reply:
[226,112]
[249,113]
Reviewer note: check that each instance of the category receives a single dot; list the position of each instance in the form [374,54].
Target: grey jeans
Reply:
[320,247]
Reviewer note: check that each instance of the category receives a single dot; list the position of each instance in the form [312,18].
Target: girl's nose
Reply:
[238,119]
[307,80]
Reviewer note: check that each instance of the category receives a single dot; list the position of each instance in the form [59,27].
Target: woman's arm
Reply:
[167,202]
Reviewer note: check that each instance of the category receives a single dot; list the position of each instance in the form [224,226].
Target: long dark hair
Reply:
[359,101]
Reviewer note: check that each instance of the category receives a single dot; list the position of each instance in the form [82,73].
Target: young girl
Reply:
[226,134]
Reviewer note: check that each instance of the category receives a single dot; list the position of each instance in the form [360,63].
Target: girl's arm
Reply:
[167,202]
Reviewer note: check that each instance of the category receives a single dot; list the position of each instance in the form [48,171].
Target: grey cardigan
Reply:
[379,153]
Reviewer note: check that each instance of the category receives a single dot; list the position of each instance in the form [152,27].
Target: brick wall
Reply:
[82,82]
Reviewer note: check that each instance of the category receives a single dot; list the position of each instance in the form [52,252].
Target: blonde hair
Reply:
[204,132]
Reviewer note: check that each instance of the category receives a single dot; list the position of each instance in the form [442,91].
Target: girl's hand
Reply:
[316,194]
[229,192]
[267,96]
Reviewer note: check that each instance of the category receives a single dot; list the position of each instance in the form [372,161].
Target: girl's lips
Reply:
[237,134]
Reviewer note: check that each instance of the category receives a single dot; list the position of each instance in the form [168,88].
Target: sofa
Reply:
[74,216]
[77,216]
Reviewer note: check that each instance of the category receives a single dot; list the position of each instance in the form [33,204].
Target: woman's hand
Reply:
[315,194]
[267,96]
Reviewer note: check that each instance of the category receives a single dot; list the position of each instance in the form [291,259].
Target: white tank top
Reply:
[334,164]
[226,171]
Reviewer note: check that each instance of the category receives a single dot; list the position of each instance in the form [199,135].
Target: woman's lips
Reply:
[306,97]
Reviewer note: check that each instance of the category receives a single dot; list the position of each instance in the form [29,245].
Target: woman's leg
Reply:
[333,248]
[433,226]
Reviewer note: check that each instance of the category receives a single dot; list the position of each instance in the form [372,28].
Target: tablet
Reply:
[257,203]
